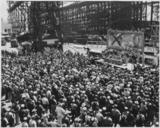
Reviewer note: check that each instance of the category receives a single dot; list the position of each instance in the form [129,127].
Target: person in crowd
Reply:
[56,89]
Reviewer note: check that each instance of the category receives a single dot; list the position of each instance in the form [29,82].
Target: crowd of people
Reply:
[62,89]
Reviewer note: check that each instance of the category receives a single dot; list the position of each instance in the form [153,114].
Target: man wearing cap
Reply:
[45,102]
[32,123]
[24,123]
[115,115]
[135,108]
[4,122]
[16,110]
[140,120]
[52,104]
[9,92]
[99,117]
[107,122]
[130,120]
[60,113]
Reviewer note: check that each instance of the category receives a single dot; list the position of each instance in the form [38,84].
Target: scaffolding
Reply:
[44,18]
[83,18]
[98,17]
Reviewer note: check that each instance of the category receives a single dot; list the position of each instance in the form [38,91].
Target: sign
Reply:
[51,41]
[126,40]
[150,49]
[130,66]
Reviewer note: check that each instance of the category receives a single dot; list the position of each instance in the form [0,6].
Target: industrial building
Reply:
[44,16]
[97,17]
[18,16]
[81,19]
[84,18]
[26,16]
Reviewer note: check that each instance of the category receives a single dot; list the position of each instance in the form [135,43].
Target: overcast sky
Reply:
[3,10]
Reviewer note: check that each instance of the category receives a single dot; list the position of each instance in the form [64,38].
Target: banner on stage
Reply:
[126,40]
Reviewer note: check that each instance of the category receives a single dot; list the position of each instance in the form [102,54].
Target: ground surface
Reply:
[82,48]
[69,46]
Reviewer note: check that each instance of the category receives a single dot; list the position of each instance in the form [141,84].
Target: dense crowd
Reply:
[54,89]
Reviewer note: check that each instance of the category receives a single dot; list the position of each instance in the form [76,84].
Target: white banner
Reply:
[126,40]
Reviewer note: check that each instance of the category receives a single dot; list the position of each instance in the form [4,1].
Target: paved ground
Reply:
[70,46]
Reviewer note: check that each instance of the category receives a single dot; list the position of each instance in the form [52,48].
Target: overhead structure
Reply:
[35,17]
[44,18]
[97,17]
